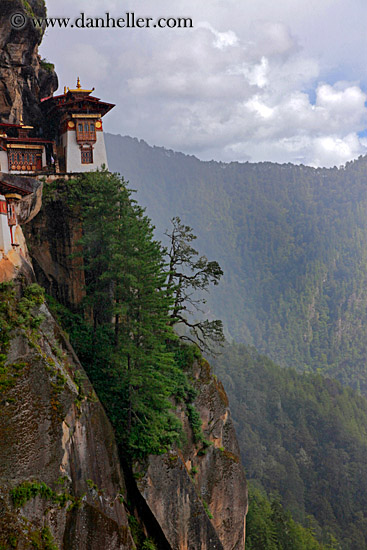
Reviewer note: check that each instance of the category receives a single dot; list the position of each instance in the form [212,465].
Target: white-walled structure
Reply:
[74,131]
[75,143]
[19,153]
[73,150]
[76,116]
[12,189]
[5,232]
[3,161]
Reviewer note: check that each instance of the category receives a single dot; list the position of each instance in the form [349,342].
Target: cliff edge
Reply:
[24,77]
[198,493]
[63,480]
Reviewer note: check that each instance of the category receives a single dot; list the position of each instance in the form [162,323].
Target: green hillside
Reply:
[291,240]
[303,437]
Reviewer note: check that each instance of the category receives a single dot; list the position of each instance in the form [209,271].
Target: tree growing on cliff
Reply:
[126,298]
[188,276]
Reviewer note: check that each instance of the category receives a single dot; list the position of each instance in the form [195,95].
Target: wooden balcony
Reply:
[89,137]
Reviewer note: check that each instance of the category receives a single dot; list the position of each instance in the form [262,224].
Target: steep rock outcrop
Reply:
[59,469]
[184,488]
[24,79]
[60,477]
[198,493]
[53,239]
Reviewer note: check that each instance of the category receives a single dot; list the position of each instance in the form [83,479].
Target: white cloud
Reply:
[329,148]
[256,74]
[252,80]
[255,105]
[221,39]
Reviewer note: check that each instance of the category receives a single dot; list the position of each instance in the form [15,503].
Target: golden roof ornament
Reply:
[21,122]
[78,88]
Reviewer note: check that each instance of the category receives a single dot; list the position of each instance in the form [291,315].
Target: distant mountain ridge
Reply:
[292,241]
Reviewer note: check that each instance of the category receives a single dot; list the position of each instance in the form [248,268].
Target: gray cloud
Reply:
[252,80]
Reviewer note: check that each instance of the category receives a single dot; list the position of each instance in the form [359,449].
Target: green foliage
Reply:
[123,333]
[43,539]
[291,239]
[35,294]
[207,510]
[8,317]
[187,276]
[196,427]
[16,314]
[205,446]
[270,527]
[28,490]
[186,355]
[149,544]
[195,422]
[47,66]
[303,437]
[28,7]
[9,374]
[138,535]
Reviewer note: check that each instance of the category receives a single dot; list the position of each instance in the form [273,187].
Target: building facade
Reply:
[73,142]
[21,154]
[76,118]
[12,189]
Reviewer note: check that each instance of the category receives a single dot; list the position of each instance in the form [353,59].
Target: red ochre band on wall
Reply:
[3,208]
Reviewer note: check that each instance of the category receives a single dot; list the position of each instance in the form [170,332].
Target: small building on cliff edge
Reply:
[72,143]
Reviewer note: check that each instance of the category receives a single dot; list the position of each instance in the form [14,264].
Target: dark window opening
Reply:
[87,156]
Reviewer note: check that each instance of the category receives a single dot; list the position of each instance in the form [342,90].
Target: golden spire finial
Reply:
[21,120]
[65,90]
[78,85]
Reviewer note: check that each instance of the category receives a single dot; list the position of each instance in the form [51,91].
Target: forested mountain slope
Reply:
[292,241]
[304,437]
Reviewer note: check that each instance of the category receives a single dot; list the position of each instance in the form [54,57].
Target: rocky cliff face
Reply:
[60,477]
[61,482]
[24,79]
[198,493]
[53,239]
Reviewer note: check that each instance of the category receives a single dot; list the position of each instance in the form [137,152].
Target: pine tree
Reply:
[126,295]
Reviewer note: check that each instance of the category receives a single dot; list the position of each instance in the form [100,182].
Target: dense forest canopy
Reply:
[291,240]
[303,437]
[123,335]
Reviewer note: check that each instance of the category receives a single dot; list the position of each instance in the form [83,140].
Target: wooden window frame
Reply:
[23,160]
[88,132]
[86,155]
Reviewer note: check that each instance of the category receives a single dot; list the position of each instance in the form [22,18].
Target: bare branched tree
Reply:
[188,276]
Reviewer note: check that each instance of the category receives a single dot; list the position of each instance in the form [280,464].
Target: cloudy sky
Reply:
[252,80]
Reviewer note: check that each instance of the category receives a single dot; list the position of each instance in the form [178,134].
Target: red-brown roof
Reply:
[27,140]
[8,125]
[71,101]
[22,185]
